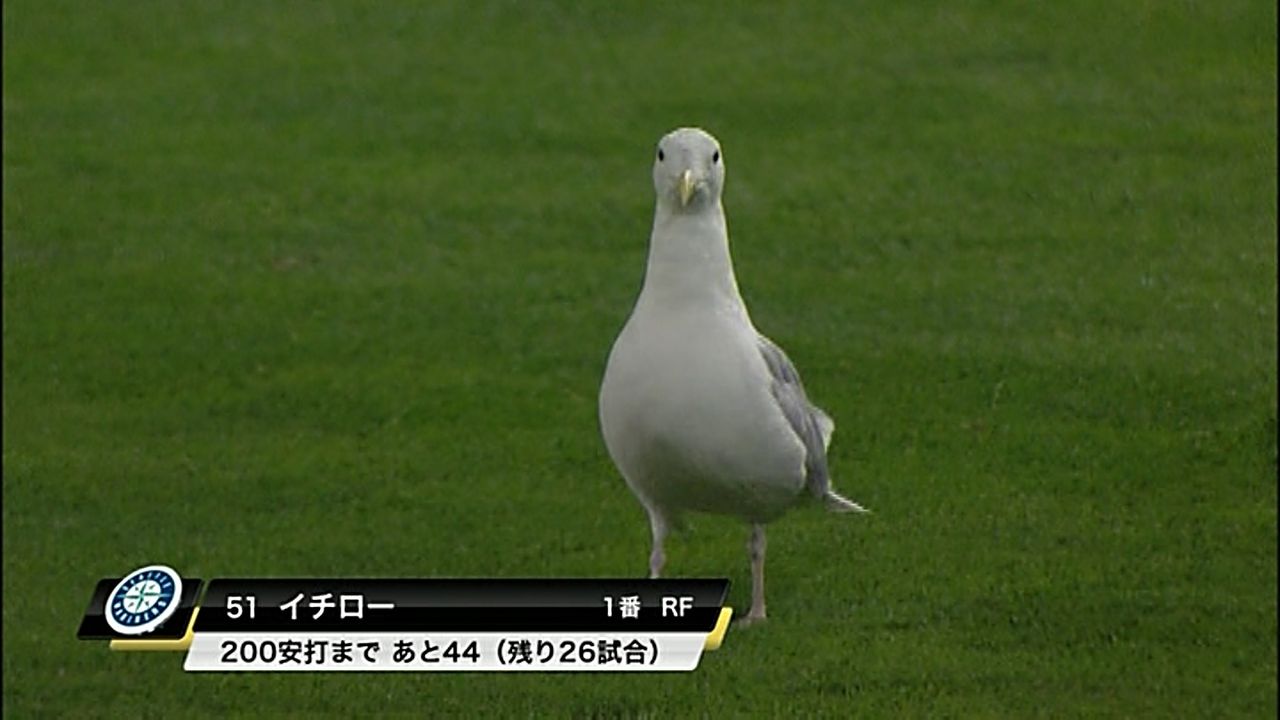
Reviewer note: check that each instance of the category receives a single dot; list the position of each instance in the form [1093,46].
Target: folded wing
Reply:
[810,424]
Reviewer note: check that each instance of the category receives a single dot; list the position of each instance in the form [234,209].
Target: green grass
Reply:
[313,289]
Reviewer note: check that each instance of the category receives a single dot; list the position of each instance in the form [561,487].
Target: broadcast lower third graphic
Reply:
[412,625]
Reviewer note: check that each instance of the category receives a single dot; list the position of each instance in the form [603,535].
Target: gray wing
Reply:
[808,421]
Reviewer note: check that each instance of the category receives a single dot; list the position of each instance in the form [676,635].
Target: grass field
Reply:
[327,289]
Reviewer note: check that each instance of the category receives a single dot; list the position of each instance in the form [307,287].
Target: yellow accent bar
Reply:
[181,643]
[717,635]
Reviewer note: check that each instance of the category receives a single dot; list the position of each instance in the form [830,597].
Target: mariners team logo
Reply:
[143,600]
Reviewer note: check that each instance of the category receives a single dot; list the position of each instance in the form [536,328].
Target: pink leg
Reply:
[755,549]
[657,558]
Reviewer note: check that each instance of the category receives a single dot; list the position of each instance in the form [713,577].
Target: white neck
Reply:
[689,261]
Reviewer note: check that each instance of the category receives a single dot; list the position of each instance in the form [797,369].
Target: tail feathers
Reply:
[835,502]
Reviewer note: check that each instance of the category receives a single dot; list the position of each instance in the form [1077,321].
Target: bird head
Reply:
[688,170]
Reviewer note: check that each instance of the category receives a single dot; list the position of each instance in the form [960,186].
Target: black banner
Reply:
[461,605]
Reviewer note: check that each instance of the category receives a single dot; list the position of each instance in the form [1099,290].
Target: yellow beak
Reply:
[687,187]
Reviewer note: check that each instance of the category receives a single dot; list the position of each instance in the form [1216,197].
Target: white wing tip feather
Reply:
[835,502]
[826,426]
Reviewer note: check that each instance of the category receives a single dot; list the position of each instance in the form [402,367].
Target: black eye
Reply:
[661,155]
[716,157]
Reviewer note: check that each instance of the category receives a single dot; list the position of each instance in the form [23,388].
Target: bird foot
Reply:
[751,618]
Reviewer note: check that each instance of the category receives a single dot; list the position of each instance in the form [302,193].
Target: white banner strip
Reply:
[436,652]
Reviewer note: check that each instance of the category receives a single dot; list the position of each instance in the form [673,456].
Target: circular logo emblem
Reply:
[143,600]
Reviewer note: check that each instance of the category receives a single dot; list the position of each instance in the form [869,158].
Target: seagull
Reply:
[701,412]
